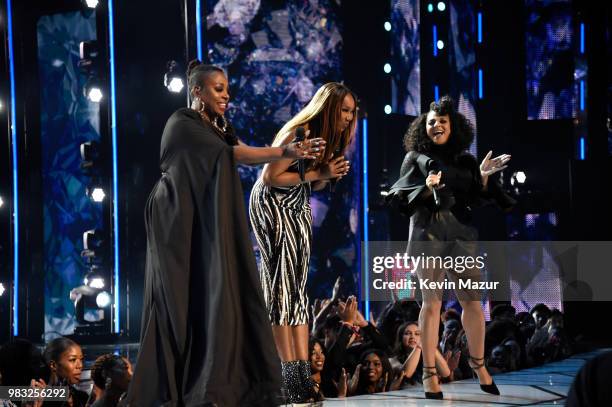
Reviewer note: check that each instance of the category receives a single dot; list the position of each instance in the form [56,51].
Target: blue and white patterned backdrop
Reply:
[550,60]
[462,52]
[277,54]
[67,120]
[405,57]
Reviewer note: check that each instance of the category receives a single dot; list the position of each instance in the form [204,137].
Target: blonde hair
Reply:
[321,115]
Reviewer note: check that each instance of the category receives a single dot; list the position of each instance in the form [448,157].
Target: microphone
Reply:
[434,190]
[434,168]
[299,137]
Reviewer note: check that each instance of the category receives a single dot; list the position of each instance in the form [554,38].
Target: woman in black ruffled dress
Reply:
[439,184]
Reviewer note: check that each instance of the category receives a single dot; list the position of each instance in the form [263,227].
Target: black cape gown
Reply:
[206,337]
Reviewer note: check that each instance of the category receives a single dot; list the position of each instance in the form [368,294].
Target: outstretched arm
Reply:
[245,154]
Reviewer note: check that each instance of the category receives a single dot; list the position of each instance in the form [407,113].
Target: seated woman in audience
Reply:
[372,375]
[111,374]
[407,361]
[64,358]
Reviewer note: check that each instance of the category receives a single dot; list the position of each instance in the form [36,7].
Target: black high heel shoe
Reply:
[487,388]
[428,373]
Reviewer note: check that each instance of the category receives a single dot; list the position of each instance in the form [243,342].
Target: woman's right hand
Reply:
[433,181]
[336,168]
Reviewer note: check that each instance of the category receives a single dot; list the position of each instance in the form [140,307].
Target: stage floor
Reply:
[545,385]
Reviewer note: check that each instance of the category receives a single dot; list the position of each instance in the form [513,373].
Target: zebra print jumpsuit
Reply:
[282,223]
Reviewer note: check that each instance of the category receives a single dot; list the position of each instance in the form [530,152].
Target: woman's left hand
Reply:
[308,149]
[490,166]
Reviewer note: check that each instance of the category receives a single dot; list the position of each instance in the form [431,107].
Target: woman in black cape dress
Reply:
[205,337]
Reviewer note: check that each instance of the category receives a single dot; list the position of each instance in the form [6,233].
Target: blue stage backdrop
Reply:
[550,60]
[405,57]
[463,75]
[67,120]
[277,54]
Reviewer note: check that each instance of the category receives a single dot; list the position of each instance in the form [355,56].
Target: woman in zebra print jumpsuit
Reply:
[281,218]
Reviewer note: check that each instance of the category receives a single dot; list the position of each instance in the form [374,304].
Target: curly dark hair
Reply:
[461,134]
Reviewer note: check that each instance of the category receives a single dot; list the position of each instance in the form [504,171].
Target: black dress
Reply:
[205,335]
[446,229]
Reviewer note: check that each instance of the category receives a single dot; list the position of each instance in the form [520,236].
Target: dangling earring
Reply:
[202,105]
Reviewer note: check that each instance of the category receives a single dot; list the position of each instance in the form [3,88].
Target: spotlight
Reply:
[440,44]
[387,68]
[441,6]
[96,194]
[2,289]
[1,202]
[387,26]
[1,107]
[388,109]
[519,177]
[94,279]
[103,299]
[91,3]
[175,85]
[173,80]
[430,8]
[94,94]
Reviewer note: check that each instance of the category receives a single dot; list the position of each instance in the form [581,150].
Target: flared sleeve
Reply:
[405,193]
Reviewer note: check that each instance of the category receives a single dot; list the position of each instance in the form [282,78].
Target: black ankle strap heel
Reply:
[477,363]
[428,373]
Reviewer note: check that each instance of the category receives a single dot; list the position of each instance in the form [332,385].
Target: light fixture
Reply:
[2,289]
[96,194]
[441,6]
[430,8]
[387,68]
[1,202]
[519,177]
[388,109]
[94,94]
[91,3]
[103,299]
[387,26]
[440,44]
[173,80]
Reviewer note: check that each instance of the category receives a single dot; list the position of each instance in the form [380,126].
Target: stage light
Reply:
[1,202]
[94,94]
[388,109]
[441,6]
[103,299]
[387,68]
[519,177]
[96,194]
[430,8]
[94,279]
[175,85]
[2,289]
[91,3]
[1,106]
[440,44]
[387,26]
[173,80]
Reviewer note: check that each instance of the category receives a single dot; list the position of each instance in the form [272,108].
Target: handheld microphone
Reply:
[299,137]
[434,190]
